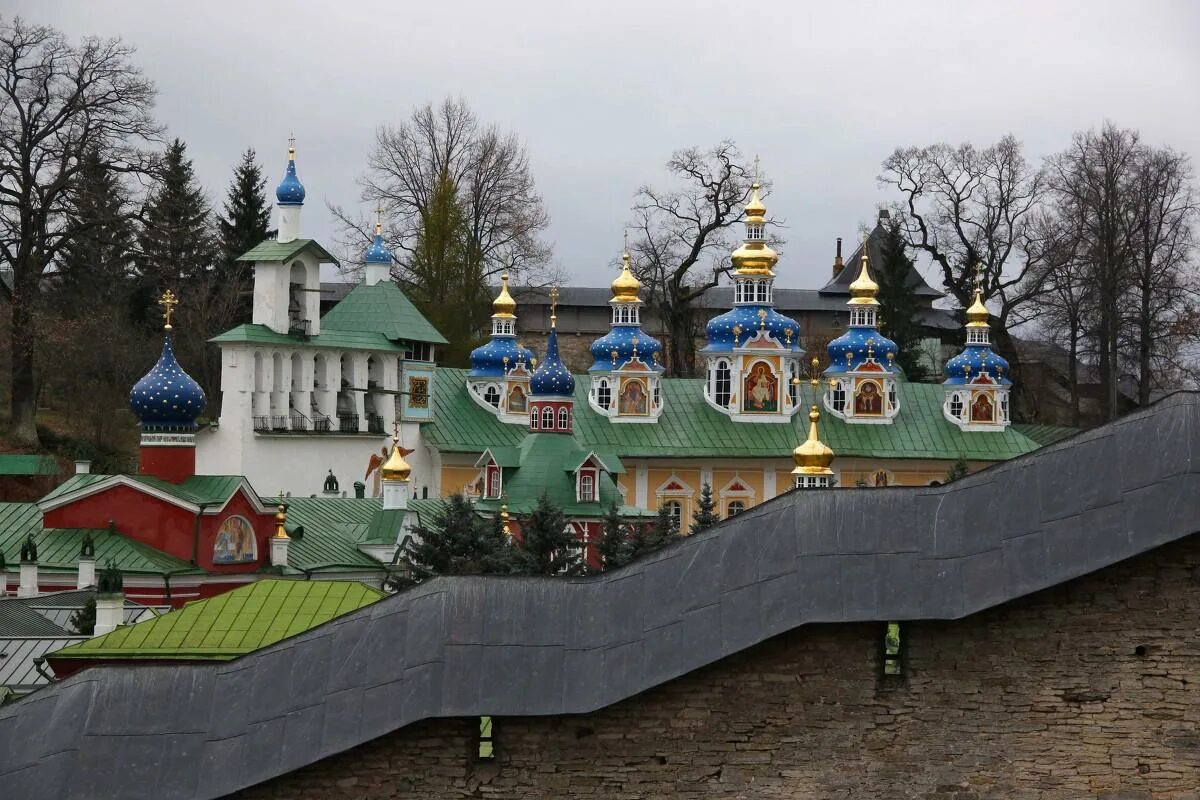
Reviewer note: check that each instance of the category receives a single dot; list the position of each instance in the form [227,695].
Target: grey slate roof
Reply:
[18,620]
[839,285]
[575,645]
[18,673]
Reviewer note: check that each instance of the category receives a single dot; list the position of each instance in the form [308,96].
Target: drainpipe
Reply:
[196,533]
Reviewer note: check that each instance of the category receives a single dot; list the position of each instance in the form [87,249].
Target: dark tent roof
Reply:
[840,284]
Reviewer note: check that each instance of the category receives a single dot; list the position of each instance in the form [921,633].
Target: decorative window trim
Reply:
[547,418]
[564,419]
[418,392]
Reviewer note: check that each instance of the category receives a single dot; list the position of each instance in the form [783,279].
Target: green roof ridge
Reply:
[381,308]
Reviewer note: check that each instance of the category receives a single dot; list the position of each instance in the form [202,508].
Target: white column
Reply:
[87,573]
[289,223]
[110,609]
[29,579]
[706,476]
[641,486]
[358,382]
[769,488]
[279,550]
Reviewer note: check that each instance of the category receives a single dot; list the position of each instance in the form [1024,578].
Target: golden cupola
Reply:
[863,289]
[626,287]
[813,457]
[977,314]
[395,468]
[755,256]
[504,305]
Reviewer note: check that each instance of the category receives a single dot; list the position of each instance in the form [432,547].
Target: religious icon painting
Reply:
[761,389]
[869,400]
[982,408]
[634,400]
[518,401]
[235,543]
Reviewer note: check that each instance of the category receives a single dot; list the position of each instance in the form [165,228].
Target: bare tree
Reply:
[57,103]
[683,239]
[966,207]
[489,171]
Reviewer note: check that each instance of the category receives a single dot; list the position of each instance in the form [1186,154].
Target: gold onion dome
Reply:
[755,256]
[395,468]
[977,314]
[813,457]
[863,289]
[504,305]
[626,287]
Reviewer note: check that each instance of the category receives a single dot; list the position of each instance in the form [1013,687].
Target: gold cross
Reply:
[756,167]
[979,276]
[553,306]
[625,249]
[168,302]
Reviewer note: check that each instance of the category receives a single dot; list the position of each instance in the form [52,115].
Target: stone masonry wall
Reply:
[1088,690]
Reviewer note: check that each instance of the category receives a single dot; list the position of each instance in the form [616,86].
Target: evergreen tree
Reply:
[549,546]
[958,470]
[654,536]
[244,224]
[704,516]
[898,302]
[176,242]
[447,284]
[95,266]
[614,541]
[83,621]
[457,541]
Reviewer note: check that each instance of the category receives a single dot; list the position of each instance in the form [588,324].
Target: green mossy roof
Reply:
[17,464]
[380,308]
[690,428]
[271,250]
[231,624]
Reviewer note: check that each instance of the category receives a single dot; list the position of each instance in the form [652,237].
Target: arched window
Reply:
[564,419]
[675,511]
[893,400]
[761,292]
[754,232]
[548,418]
[657,396]
[587,488]
[793,384]
[723,384]
[533,418]
[734,508]
[956,405]
[1004,406]
[603,394]
[492,396]
[837,397]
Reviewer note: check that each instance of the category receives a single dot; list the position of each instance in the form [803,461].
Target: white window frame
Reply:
[547,418]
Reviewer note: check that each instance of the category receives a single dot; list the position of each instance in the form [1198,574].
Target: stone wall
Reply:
[1088,690]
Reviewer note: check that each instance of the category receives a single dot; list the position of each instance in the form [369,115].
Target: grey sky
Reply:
[602,93]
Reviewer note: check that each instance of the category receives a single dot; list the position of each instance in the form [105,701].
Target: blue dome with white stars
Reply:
[615,349]
[167,398]
[977,358]
[290,192]
[377,253]
[552,378]
[720,328]
[849,351]
[487,361]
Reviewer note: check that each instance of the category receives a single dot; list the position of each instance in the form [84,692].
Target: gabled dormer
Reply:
[588,472]
[491,466]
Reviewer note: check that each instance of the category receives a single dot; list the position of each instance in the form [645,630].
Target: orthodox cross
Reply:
[625,247]
[756,168]
[870,349]
[292,142]
[168,302]
[553,305]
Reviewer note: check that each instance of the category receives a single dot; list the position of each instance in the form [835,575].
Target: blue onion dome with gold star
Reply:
[862,341]
[290,192]
[502,351]
[378,253]
[978,358]
[754,307]
[166,397]
[552,378]
[626,338]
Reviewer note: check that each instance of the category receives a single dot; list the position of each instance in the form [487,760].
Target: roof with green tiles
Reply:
[1046,434]
[271,250]
[231,624]
[381,308]
[196,490]
[333,529]
[342,340]
[19,464]
[690,428]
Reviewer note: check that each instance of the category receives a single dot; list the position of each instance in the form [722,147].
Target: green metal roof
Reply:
[231,624]
[16,464]
[545,465]
[196,490]
[333,529]
[271,250]
[1046,434]
[690,428]
[381,308]
[342,340]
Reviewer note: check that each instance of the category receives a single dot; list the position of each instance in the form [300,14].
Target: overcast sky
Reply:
[603,92]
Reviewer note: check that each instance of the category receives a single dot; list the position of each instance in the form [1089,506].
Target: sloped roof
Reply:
[545,465]
[17,655]
[18,464]
[571,646]
[690,428]
[231,624]
[333,529]
[271,250]
[18,620]
[381,308]
[196,490]
[840,283]
[342,340]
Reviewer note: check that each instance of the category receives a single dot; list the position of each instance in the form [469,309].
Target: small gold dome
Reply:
[863,289]
[755,210]
[626,287]
[977,314]
[813,457]
[395,468]
[755,258]
[504,305]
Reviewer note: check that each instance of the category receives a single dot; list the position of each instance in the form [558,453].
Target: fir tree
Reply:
[95,265]
[654,536]
[704,516]
[548,545]
[457,541]
[957,470]
[244,224]
[614,541]
[83,621]
[898,304]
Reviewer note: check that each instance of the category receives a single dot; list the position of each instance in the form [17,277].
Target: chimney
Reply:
[110,600]
[837,259]
[29,568]
[83,466]
[87,563]
[280,542]
[884,216]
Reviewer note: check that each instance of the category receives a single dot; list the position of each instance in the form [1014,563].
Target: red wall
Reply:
[174,464]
